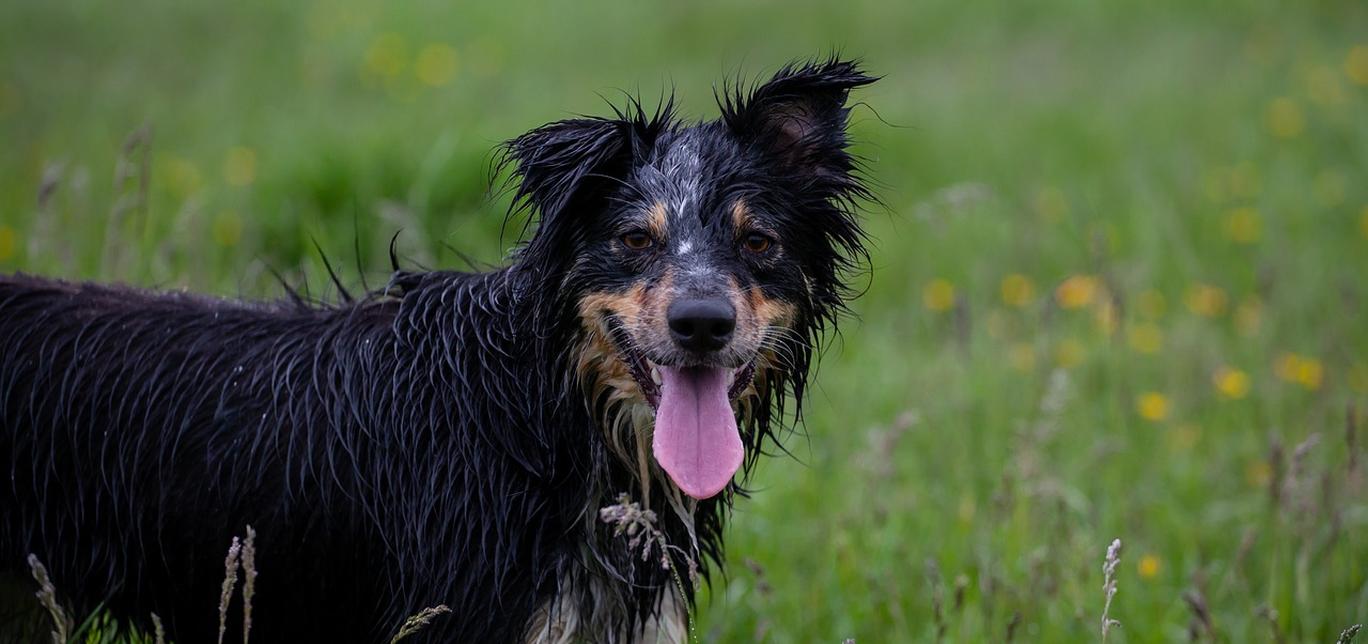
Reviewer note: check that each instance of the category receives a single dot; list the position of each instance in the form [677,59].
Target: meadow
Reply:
[1116,287]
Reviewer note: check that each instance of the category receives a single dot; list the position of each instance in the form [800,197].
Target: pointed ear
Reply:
[798,117]
[556,164]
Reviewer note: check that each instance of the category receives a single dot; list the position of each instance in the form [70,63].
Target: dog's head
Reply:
[700,261]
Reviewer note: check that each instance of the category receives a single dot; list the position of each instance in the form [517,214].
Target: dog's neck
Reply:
[611,580]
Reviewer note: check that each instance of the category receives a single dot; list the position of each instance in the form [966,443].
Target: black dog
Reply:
[453,438]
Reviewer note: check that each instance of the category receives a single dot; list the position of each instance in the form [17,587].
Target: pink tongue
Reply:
[696,439]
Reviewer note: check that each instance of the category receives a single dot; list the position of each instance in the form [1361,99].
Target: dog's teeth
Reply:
[655,375]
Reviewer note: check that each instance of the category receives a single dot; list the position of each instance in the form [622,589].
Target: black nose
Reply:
[702,324]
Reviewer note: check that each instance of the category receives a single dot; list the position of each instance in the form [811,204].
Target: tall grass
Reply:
[240,563]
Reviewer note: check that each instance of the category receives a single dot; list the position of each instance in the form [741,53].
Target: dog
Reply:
[550,449]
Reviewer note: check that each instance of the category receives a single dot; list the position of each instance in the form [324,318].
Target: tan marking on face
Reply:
[654,303]
[599,365]
[639,309]
[626,417]
[741,216]
[769,311]
[625,305]
[655,220]
[759,314]
[762,319]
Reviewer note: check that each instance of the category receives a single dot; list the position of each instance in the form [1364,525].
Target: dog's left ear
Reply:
[556,163]
[798,119]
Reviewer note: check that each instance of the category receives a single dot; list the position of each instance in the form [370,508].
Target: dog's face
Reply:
[699,261]
[677,281]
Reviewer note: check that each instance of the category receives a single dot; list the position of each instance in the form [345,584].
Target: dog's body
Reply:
[386,466]
[453,438]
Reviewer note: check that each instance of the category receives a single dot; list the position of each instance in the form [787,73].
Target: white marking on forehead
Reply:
[682,167]
[699,269]
[685,248]
[682,159]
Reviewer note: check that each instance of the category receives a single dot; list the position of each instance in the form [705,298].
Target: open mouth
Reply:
[696,439]
[648,374]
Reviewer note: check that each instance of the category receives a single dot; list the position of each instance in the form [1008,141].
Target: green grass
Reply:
[1114,143]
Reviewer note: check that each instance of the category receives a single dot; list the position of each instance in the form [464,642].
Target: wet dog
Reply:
[550,448]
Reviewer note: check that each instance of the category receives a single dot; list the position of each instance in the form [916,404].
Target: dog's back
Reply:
[142,431]
[127,418]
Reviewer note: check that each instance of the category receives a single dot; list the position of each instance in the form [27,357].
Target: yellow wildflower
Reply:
[1069,353]
[239,166]
[1323,86]
[1356,64]
[1363,222]
[938,295]
[967,509]
[1077,291]
[1285,118]
[1205,300]
[1242,225]
[1017,290]
[1152,406]
[180,175]
[1311,373]
[1148,567]
[1303,370]
[1231,382]
[1258,473]
[1105,314]
[227,228]
[1145,337]
[436,65]
[386,57]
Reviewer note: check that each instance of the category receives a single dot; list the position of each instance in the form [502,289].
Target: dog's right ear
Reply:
[556,164]
[798,118]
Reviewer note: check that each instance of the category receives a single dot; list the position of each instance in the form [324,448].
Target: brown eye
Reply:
[636,240]
[758,243]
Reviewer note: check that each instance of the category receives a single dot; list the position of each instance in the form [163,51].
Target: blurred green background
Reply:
[1118,287]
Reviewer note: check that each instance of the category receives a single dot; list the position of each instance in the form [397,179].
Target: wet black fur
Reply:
[427,444]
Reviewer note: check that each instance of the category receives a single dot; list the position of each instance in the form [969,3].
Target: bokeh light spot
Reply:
[436,65]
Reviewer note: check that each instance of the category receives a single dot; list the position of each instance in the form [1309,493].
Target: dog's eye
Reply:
[757,242]
[637,240]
